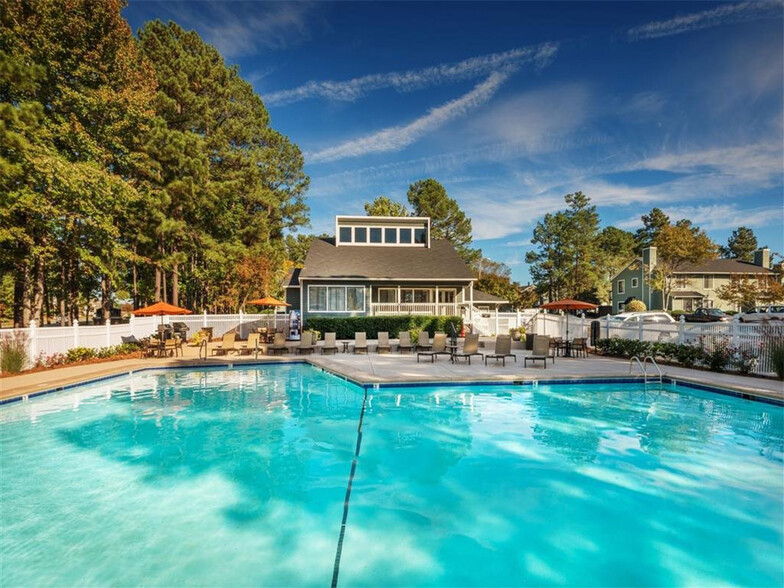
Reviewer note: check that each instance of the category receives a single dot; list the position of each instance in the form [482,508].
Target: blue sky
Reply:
[513,105]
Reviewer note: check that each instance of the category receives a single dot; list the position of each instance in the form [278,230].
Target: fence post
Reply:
[108,332]
[496,323]
[607,328]
[131,325]
[240,327]
[76,332]
[681,329]
[734,330]
[517,324]
[33,341]
[204,319]
[640,336]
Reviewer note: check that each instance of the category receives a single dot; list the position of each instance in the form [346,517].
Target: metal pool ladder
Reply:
[642,365]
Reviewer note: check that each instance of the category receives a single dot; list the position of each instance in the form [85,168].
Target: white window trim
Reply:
[394,290]
[345,298]
[383,228]
[620,286]
[635,282]
[707,282]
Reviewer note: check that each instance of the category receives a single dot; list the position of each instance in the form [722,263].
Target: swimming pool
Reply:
[240,477]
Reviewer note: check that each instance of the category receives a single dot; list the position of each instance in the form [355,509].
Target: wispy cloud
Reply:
[726,14]
[397,137]
[717,216]
[241,28]
[406,81]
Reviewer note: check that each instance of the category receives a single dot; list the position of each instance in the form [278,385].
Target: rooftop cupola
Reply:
[382,231]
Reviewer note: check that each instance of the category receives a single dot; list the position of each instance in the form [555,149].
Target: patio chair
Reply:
[251,346]
[557,344]
[541,351]
[424,341]
[329,344]
[278,344]
[470,347]
[152,347]
[129,340]
[580,345]
[306,343]
[383,343]
[226,346]
[404,342]
[503,349]
[438,348]
[360,342]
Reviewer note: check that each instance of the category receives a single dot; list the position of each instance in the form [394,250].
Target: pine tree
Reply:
[383,206]
[741,245]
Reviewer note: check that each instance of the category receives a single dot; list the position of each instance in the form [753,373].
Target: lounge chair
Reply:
[470,347]
[250,346]
[130,339]
[360,342]
[540,351]
[404,341]
[503,349]
[226,346]
[424,341]
[305,343]
[438,348]
[383,343]
[279,344]
[329,344]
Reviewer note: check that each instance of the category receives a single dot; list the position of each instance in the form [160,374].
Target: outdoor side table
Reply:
[345,346]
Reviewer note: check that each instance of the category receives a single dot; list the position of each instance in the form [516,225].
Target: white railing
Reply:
[744,337]
[440,309]
[47,341]
[491,322]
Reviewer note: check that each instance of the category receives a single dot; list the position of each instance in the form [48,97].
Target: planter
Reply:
[529,341]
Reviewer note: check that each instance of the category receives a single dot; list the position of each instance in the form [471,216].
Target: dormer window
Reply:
[385,231]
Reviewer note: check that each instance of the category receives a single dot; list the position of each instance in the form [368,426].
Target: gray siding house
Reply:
[381,266]
[696,284]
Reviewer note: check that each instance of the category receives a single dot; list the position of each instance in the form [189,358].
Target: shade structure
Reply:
[267,301]
[569,304]
[161,309]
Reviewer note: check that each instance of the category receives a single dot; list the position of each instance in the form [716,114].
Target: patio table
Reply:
[345,345]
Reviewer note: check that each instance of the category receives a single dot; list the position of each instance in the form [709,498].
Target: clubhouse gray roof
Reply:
[440,261]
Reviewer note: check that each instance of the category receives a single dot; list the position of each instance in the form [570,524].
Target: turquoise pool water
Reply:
[214,477]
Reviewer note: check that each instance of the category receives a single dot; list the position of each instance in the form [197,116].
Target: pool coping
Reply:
[371,383]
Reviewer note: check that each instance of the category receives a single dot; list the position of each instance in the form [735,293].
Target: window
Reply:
[707,282]
[390,235]
[405,235]
[446,296]
[360,235]
[345,234]
[375,235]
[621,287]
[420,236]
[336,298]
[635,282]
[387,295]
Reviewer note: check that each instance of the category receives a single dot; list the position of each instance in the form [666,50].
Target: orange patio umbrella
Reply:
[161,309]
[267,301]
[569,304]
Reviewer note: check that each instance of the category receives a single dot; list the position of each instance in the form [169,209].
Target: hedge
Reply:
[345,328]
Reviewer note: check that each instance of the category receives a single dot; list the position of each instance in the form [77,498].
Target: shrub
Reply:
[635,306]
[677,313]
[316,334]
[346,327]
[745,360]
[776,357]
[79,354]
[13,353]
[718,358]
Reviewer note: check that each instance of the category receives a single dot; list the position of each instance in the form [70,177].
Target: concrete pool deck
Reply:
[395,367]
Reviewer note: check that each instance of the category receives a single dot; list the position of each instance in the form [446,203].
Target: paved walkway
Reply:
[391,367]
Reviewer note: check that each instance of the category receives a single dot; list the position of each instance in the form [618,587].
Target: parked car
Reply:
[652,316]
[773,312]
[707,315]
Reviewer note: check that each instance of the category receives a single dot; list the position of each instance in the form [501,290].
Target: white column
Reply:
[76,333]
[681,329]
[437,313]
[399,299]
[471,302]
[108,332]
[33,340]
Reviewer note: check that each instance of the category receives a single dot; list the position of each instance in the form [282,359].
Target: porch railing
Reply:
[440,309]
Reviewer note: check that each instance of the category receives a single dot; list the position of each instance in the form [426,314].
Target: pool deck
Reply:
[395,367]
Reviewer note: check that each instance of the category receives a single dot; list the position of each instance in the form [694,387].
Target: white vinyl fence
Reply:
[47,341]
[749,337]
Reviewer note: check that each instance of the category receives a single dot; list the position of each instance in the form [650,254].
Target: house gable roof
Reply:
[440,261]
[480,296]
[724,266]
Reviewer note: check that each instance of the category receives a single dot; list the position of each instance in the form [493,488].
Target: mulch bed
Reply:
[42,368]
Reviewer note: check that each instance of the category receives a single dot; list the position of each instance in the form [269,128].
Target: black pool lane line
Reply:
[339,552]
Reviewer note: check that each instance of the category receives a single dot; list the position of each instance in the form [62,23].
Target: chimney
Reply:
[762,257]
[649,257]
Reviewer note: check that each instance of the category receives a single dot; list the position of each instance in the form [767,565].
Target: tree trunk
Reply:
[106,297]
[157,283]
[135,285]
[175,284]
[163,279]
[20,288]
